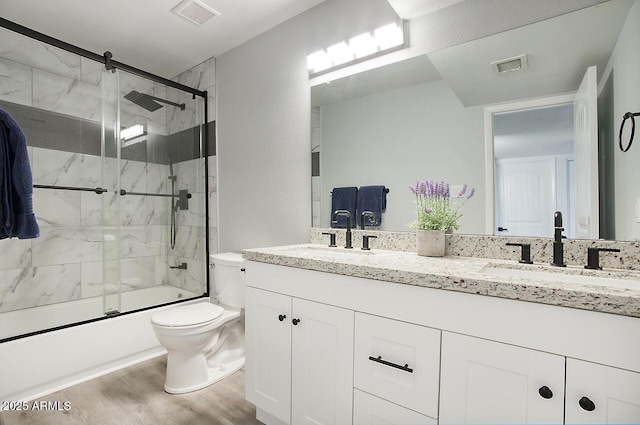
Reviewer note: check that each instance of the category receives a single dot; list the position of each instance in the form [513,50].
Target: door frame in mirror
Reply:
[489,111]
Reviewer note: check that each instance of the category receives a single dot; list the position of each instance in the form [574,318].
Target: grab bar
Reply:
[97,190]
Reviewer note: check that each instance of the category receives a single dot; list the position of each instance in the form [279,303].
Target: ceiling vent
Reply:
[195,11]
[511,64]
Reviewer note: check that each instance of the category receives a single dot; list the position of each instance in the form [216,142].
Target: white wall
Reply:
[419,132]
[625,65]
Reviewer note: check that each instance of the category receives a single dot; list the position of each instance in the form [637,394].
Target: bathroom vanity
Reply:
[336,336]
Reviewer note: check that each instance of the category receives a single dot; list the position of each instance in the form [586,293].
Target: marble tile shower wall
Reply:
[66,262]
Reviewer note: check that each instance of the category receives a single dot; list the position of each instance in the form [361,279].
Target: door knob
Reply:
[545,392]
[281,317]
[295,322]
[587,404]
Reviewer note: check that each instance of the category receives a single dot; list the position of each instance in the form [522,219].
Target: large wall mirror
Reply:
[448,115]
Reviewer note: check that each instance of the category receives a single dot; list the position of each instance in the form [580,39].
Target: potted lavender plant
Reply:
[436,212]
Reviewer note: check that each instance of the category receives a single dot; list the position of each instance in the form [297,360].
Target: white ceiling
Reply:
[146,34]
[559,51]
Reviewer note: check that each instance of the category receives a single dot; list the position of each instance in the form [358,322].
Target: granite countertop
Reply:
[574,286]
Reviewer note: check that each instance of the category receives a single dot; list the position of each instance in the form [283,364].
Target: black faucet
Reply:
[346,213]
[366,214]
[558,253]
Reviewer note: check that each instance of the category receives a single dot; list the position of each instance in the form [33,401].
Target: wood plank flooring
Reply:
[135,396]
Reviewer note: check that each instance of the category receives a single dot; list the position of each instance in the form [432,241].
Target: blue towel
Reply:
[344,198]
[16,187]
[374,199]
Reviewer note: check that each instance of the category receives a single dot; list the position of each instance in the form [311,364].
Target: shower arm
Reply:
[182,106]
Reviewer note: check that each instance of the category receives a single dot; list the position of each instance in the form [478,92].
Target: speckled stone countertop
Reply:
[470,275]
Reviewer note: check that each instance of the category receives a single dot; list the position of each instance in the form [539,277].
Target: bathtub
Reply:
[38,365]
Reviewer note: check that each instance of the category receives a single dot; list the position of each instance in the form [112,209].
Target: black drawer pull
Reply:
[378,359]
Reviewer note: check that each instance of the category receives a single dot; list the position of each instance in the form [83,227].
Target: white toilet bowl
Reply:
[204,341]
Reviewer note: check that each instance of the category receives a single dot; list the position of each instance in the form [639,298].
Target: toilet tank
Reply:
[228,280]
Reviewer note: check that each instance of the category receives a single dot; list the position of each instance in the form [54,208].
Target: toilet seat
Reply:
[187,316]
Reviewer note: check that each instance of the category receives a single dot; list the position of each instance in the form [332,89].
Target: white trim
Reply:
[488,144]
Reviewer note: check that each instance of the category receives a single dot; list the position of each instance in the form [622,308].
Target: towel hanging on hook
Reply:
[628,115]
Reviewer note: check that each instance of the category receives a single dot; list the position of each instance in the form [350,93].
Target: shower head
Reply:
[143,100]
[148,102]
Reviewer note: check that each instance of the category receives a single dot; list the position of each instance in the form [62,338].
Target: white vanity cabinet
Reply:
[366,351]
[299,359]
[601,394]
[486,382]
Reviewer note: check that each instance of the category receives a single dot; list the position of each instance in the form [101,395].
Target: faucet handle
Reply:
[332,239]
[593,257]
[365,242]
[525,253]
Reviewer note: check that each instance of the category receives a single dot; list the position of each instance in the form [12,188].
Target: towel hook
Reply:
[628,115]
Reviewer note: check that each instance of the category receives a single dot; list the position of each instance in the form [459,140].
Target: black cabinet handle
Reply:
[281,317]
[295,322]
[545,392]
[587,404]
[502,229]
[378,359]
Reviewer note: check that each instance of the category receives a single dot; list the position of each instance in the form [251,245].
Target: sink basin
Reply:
[568,275]
[315,249]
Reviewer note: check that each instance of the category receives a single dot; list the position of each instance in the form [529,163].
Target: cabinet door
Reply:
[486,382]
[371,410]
[601,394]
[268,352]
[322,356]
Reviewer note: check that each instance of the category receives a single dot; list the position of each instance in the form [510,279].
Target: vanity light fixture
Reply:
[361,47]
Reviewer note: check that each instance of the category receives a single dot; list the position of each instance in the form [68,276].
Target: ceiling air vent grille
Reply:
[195,11]
[508,65]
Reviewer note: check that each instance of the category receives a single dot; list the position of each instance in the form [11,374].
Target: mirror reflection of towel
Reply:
[344,198]
[374,199]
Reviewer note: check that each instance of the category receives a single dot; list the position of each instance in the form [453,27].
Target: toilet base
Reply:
[194,369]
[215,375]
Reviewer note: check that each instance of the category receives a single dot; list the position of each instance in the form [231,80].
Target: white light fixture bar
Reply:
[361,47]
[132,132]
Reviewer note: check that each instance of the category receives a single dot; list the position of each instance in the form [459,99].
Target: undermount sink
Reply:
[625,280]
[315,249]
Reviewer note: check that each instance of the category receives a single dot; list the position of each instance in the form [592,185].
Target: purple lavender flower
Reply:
[427,210]
[462,191]
[423,188]
[471,193]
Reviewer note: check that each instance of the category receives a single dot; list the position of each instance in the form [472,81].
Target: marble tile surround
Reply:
[74,241]
[493,247]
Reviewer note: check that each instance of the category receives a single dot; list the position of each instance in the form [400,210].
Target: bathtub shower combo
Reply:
[119,159]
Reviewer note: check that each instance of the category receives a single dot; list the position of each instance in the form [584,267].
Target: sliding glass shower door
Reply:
[119,190]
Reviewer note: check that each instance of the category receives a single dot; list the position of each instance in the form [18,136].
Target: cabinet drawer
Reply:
[398,362]
[371,410]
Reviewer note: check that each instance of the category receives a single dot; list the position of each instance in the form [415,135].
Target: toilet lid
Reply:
[188,315]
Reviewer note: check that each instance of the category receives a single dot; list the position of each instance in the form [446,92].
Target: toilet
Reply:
[205,341]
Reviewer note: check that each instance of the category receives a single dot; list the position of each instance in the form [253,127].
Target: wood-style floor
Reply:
[135,396]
